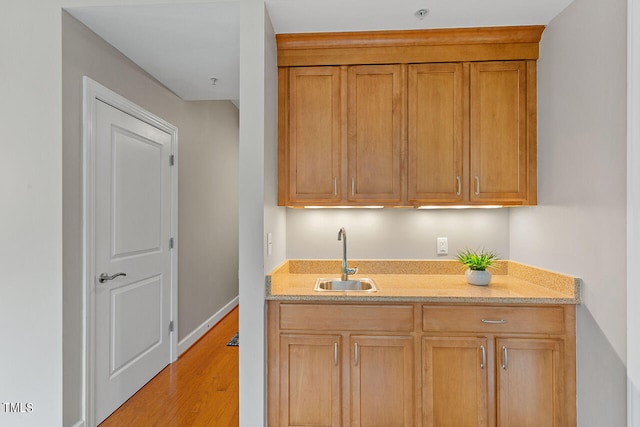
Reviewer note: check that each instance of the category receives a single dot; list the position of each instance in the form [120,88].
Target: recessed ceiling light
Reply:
[420,14]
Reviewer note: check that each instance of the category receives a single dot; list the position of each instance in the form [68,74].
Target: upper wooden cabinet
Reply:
[503,156]
[471,133]
[408,118]
[374,139]
[310,123]
[436,133]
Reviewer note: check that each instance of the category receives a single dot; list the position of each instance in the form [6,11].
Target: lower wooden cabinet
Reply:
[310,380]
[435,365]
[382,381]
[463,382]
[530,382]
[506,366]
[380,387]
[341,365]
[454,382]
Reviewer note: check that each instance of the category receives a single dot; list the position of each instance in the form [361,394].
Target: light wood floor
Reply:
[199,389]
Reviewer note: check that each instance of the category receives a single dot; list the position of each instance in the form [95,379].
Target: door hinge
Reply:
[171,326]
[171,243]
[172,160]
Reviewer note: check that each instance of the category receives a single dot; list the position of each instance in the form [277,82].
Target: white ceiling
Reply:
[184,45]
[298,16]
[181,45]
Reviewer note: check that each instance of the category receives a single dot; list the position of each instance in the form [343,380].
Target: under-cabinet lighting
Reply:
[462,207]
[343,207]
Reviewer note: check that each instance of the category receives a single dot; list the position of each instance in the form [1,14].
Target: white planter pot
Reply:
[477,277]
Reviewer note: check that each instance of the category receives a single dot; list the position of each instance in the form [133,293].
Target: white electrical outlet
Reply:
[442,246]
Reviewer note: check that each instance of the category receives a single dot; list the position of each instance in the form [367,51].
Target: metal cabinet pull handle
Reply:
[477,185]
[335,186]
[104,277]
[353,186]
[505,358]
[459,185]
[483,360]
[335,353]
[494,322]
[356,356]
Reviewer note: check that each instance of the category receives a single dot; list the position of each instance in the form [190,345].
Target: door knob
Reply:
[104,277]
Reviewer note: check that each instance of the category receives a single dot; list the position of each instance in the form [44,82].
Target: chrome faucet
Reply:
[342,235]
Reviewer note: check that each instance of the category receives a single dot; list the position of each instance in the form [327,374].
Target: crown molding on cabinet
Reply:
[408,46]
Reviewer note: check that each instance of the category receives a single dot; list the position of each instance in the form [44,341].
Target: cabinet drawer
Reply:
[542,320]
[356,317]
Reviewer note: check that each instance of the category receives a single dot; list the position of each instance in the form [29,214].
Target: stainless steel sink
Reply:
[333,285]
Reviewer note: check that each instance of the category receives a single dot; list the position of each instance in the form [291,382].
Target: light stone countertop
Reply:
[423,281]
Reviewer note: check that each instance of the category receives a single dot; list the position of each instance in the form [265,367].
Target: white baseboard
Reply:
[194,336]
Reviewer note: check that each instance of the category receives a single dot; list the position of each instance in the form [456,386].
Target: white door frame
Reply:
[95,92]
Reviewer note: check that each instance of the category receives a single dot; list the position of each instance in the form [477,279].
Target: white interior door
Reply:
[132,234]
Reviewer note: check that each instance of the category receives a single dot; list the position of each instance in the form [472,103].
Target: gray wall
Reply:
[395,233]
[579,225]
[633,214]
[208,203]
[258,100]
[31,214]
[208,211]
[275,217]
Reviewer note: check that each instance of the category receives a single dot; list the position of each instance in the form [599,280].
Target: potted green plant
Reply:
[477,263]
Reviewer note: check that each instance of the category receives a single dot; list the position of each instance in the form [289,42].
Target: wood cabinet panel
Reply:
[310,380]
[411,46]
[530,383]
[454,381]
[326,368]
[355,317]
[529,364]
[436,125]
[382,381]
[498,100]
[454,131]
[314,134]
[447,318]
[374,133]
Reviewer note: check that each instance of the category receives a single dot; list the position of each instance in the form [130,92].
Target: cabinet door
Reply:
[498,137]
[310,380]
[314,134]
[436,125]
[454,382]
[382,381]
[529,378]
[375,133]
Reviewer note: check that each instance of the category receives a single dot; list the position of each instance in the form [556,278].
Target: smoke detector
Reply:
[420,14]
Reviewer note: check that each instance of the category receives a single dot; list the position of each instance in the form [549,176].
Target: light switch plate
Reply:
[442,246]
